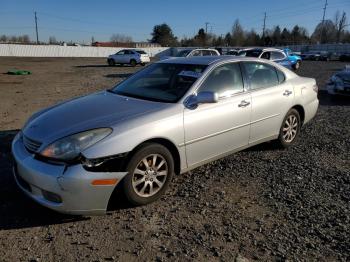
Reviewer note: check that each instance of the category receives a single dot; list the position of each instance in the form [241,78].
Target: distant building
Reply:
[130,45]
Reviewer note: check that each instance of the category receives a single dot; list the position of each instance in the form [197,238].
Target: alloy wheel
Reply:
[150,175]
[290,128]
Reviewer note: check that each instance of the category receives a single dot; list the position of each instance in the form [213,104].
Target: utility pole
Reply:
[264,25]
[36,28]
[322,24]
[206,27]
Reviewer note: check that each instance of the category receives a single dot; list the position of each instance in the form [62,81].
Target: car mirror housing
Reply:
[204,97]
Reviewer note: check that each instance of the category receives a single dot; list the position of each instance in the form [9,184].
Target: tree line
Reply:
[329,31]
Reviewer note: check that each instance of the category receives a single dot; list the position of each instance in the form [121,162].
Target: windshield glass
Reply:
[141,52]
[160,82]
[253,53]
[183,53]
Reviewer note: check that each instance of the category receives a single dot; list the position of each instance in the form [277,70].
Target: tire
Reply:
[143,64]
[111,62]
[297,65]
[289,134]
[140,185]
[133,62]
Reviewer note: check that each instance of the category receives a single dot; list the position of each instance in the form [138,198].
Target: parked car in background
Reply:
[233,52]
[320,56]
[293,58]
[168,118]
[194,52]
[311,55]
[344,57]
[273,54]
[132,57]
[339,83]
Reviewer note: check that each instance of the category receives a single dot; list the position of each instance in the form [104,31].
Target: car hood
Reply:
[103,109]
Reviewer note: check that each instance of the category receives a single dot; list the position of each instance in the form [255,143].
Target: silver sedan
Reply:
[166,119]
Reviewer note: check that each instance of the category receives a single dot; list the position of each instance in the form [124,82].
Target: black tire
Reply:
[111,62]
[132,192]
[283,139]
[133,62]
[143,64]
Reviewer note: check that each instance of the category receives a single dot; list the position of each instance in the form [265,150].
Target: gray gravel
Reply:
[264,203]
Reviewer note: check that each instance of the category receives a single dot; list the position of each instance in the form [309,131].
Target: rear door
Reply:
[128,56]
[272,97]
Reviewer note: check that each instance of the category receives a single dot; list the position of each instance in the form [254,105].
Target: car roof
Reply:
[206,60]
[192,49]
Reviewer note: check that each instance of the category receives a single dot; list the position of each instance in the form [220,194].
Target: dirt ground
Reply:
[263,203]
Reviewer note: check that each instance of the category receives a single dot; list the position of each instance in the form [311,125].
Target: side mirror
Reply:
[204,97]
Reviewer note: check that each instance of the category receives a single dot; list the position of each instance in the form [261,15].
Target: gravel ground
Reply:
[260,204]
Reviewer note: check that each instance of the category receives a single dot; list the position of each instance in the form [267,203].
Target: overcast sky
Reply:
[80,20]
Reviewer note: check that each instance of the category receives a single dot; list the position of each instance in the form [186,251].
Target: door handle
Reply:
[287,93]
[244,103]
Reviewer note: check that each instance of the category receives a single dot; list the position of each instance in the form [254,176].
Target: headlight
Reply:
[70,147]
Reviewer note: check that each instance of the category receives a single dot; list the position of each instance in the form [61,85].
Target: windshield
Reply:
[160,82]
[183,53]
[253,53]
[141,52]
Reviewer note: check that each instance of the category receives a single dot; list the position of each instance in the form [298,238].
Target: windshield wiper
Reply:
[110,91]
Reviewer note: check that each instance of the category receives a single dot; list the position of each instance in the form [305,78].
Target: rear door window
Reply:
[277,55]
[260,75]
[206,53]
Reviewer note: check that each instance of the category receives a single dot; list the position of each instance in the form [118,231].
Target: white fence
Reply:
[68,51]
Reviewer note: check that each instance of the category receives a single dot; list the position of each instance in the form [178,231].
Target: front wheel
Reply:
[297,65]
[111,62]
[290,129]
[149,173]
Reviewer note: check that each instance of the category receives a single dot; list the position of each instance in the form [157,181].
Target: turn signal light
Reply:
[104,182]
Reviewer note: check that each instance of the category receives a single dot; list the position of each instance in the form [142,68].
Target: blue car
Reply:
[293,58]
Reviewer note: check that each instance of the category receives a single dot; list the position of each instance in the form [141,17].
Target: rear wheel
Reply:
[133,62]
[290,129]
[149,173]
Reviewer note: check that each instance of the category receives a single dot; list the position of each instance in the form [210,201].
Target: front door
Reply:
[214,129]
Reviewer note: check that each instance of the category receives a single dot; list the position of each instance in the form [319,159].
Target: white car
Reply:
[129,56]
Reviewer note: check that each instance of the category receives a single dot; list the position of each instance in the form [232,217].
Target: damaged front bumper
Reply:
[69,189]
